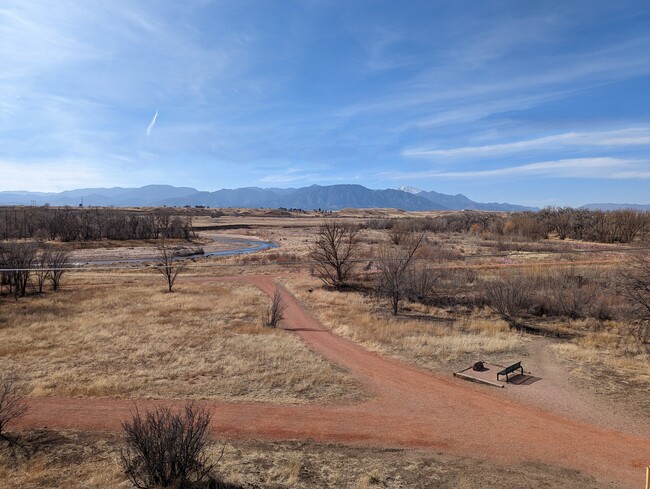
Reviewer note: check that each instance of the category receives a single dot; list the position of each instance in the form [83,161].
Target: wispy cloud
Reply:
[152,123]
[622,137]
[601,168]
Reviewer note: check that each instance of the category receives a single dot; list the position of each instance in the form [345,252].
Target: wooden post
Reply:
[647,477]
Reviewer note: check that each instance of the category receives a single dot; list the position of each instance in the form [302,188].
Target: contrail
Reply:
[152,123]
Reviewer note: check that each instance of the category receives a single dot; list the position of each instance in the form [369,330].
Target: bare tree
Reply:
[170,266]
[334,253]
[628,224]
[58,265]
[17,259]
[275,312]
[166,448]
[634,285]
[13,404]
[509,297]
[41,269]
[395,267]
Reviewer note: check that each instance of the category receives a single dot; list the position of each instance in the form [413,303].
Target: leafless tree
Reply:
[510,297]
[166,448]
[13,404]
[395,267]
[169,265]
[41,269]
[560,220]
[334,253]
[628,223]
[18,258]
[58,265]
[275,312]
[634,285]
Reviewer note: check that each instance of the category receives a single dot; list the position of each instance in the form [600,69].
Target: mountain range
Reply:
[616,207]
[332,197]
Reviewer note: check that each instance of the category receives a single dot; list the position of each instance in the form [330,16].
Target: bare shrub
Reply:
[334,253]
[509,297]
[166,448]
[570,294]
[275,312]
[634,286]
[421,284]
[170,266]
[400,231]
[13,404]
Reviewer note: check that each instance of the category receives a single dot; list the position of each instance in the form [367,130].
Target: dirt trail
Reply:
[559,393]
[410,408]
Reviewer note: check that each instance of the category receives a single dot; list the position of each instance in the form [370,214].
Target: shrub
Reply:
[13,404]
[275,312]
[166,448]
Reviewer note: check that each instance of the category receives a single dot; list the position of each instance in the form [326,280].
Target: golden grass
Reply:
[61,460]
[431,337]
[86,460]
[611,360]
[128,338]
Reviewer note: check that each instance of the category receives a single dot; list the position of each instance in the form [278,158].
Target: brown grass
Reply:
[130,339]
[86,460]
[429,336]
[611,365]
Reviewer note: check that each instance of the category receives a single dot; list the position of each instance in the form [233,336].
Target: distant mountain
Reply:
[331,197]
[616,207]
[336,197]
[459,202]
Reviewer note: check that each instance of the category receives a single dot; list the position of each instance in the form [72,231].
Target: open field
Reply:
[128,338]
[113,332]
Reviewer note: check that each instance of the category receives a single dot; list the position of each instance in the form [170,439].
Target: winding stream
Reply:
[244,246]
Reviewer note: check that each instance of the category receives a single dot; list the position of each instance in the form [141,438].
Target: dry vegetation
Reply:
[85,460]
[128,338]
[432,337]
[118,334]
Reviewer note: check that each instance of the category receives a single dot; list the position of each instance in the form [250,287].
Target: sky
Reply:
[534,103]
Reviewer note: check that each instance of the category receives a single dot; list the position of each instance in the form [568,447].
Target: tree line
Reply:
[30,264]
[619,226]
[92,224]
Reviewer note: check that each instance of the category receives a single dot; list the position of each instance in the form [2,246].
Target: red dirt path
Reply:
[410,408]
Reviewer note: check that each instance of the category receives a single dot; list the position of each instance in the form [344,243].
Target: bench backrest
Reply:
[513,367]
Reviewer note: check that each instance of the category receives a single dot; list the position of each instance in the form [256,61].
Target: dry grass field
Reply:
[126,337]
[87,460]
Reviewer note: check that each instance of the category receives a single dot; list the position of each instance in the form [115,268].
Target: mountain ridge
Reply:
[330,197]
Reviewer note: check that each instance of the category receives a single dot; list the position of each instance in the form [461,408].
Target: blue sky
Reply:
[538,103]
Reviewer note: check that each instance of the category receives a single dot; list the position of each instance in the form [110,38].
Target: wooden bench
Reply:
[510,369]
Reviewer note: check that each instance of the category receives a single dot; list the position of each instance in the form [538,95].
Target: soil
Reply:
[410,408]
